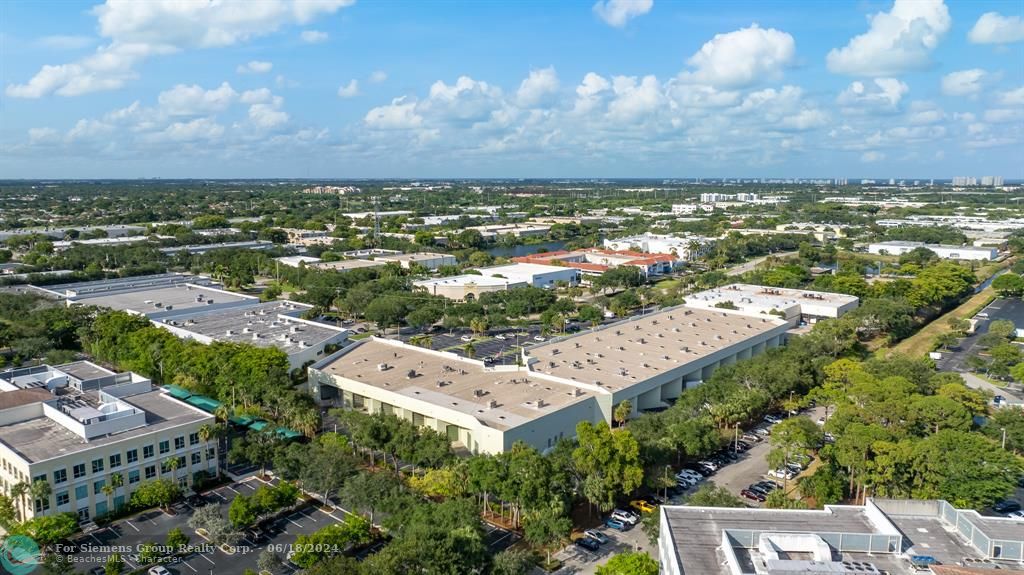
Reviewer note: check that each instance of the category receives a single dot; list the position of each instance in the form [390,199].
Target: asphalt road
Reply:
[748,266]
[956,359]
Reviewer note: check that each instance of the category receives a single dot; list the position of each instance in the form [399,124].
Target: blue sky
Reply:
[620,88]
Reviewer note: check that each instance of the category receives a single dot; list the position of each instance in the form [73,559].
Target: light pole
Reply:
[1003,429]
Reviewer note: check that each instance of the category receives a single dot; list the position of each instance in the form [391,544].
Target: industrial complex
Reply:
[793,305]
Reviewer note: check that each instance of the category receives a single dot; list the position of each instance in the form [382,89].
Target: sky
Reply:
[514,88]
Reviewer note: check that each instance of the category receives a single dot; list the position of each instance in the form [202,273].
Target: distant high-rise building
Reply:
[892,182]
[965,181]
[992,181]
[840,181]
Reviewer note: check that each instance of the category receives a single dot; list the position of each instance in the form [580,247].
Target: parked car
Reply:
[642,506]
[466,338]
[158,570]
[709,464]
[751,437]
[596,536]
[998,400]
[1006,506]
[1018,515]
[588,543]
[616,524]
[196,500]
[539,338]
[500,336]
[821,421]
[772,419]
[769,485]
[753,495]
[762,431]
[685,483]
[782,473]
[625,516]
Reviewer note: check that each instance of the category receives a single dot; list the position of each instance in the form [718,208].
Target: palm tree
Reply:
[108,489]
[470,350]
[205,433]
[40,489]
[19,491]
[172,464]
[422,340]
[622,412]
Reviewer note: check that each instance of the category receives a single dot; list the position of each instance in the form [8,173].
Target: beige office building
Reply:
[486,408]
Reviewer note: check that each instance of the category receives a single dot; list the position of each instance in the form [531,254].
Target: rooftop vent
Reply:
[441,383]
[479,392]
[383,367]
[492,404]
[255,336]
[229,332]
[411,374]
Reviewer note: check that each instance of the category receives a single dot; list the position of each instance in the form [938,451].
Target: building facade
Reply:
[78,425]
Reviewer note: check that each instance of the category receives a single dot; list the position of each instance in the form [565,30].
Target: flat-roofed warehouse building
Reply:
[883,536]
[466,287]
[898,248]
[646,360]
[76,425]
[794,305]
[269,324]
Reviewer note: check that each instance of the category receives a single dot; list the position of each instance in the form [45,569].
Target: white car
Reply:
[624,516]
[1018,515]
[539,338]
[782,473]
[500,336]
[689,474]
[709,464]
[772,419]
[158,570]
[466,338]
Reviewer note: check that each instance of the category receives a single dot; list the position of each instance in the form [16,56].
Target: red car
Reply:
[752,495]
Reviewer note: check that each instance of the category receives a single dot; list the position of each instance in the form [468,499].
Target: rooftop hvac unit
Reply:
[246,330]
[383,367]
[491,404]
[255,336]
[209,302]
[229,332]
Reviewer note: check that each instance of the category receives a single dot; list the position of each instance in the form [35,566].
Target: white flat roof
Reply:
[747,294]
[464,280]
[523,270]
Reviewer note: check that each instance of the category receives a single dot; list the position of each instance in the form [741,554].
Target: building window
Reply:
[211,453]
[147,451]
[197,458]
[115,461]
[179,442]
[42,505]
[97,465]
[62,498]
[133,476]
[97,486]
[181,462]
[151,472]
[193,439]
[133,456]
[81,493]
[60,476]
[165,446]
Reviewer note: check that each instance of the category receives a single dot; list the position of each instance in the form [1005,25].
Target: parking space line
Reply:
[217,493]
[186,564]
[207,558]
[306,515]
[233,489]
[137,530]
[97,539]
[292,522]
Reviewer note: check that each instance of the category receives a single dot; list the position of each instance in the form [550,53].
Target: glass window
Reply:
[97,465]
[115,461]
[197,459]
[42,505]
[79,470]
[39,478]
[211,453]
[60,476]
[151,472]
[97,486]
[147,451]
[165,446]
[179,442]
[181,462]
[81,493]
[133,476]
[62,498]
[133,456]
[193,438]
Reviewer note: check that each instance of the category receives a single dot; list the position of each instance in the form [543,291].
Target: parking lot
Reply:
[956,358]
[128,535]
[577,560]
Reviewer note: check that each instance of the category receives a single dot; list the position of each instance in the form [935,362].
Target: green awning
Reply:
[177,392]
[259,425]
[286,433]
[240,421]
[205,403]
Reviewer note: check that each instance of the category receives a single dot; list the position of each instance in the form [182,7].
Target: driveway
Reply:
[576,560]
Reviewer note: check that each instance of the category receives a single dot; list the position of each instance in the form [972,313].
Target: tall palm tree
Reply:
[470,350]
[19,491]
[108,489]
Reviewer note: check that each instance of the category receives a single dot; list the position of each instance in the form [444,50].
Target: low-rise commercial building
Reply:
[793,305]
[898,248]
[883,536]
[596,262]
[647,360]
[687,248]
[492,231]
[206,248]
[535,275]
[76,425]
[466,287]
[269,324]
[429,260]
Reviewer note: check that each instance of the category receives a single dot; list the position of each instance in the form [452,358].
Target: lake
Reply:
[525,250]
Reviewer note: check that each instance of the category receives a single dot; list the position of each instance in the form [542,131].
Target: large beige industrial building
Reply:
[647,360]
[794,305]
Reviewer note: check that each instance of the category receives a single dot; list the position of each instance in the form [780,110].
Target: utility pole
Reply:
[1003,429]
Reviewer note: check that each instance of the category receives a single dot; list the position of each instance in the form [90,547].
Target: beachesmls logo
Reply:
[19,555]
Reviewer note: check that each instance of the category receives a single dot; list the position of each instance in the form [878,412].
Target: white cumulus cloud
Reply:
[349,90]
[742,57]
[400,114]
[378,76]
[994,28]
[618,13]
[1012,97]
[538,87]
[964,82]
[872,156]
[136,31]
[255,67]
[193,100]
[897,41]
[881,95]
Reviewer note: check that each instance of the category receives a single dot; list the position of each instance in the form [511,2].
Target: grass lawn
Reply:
[921,342]
[669,284]
[361,336]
